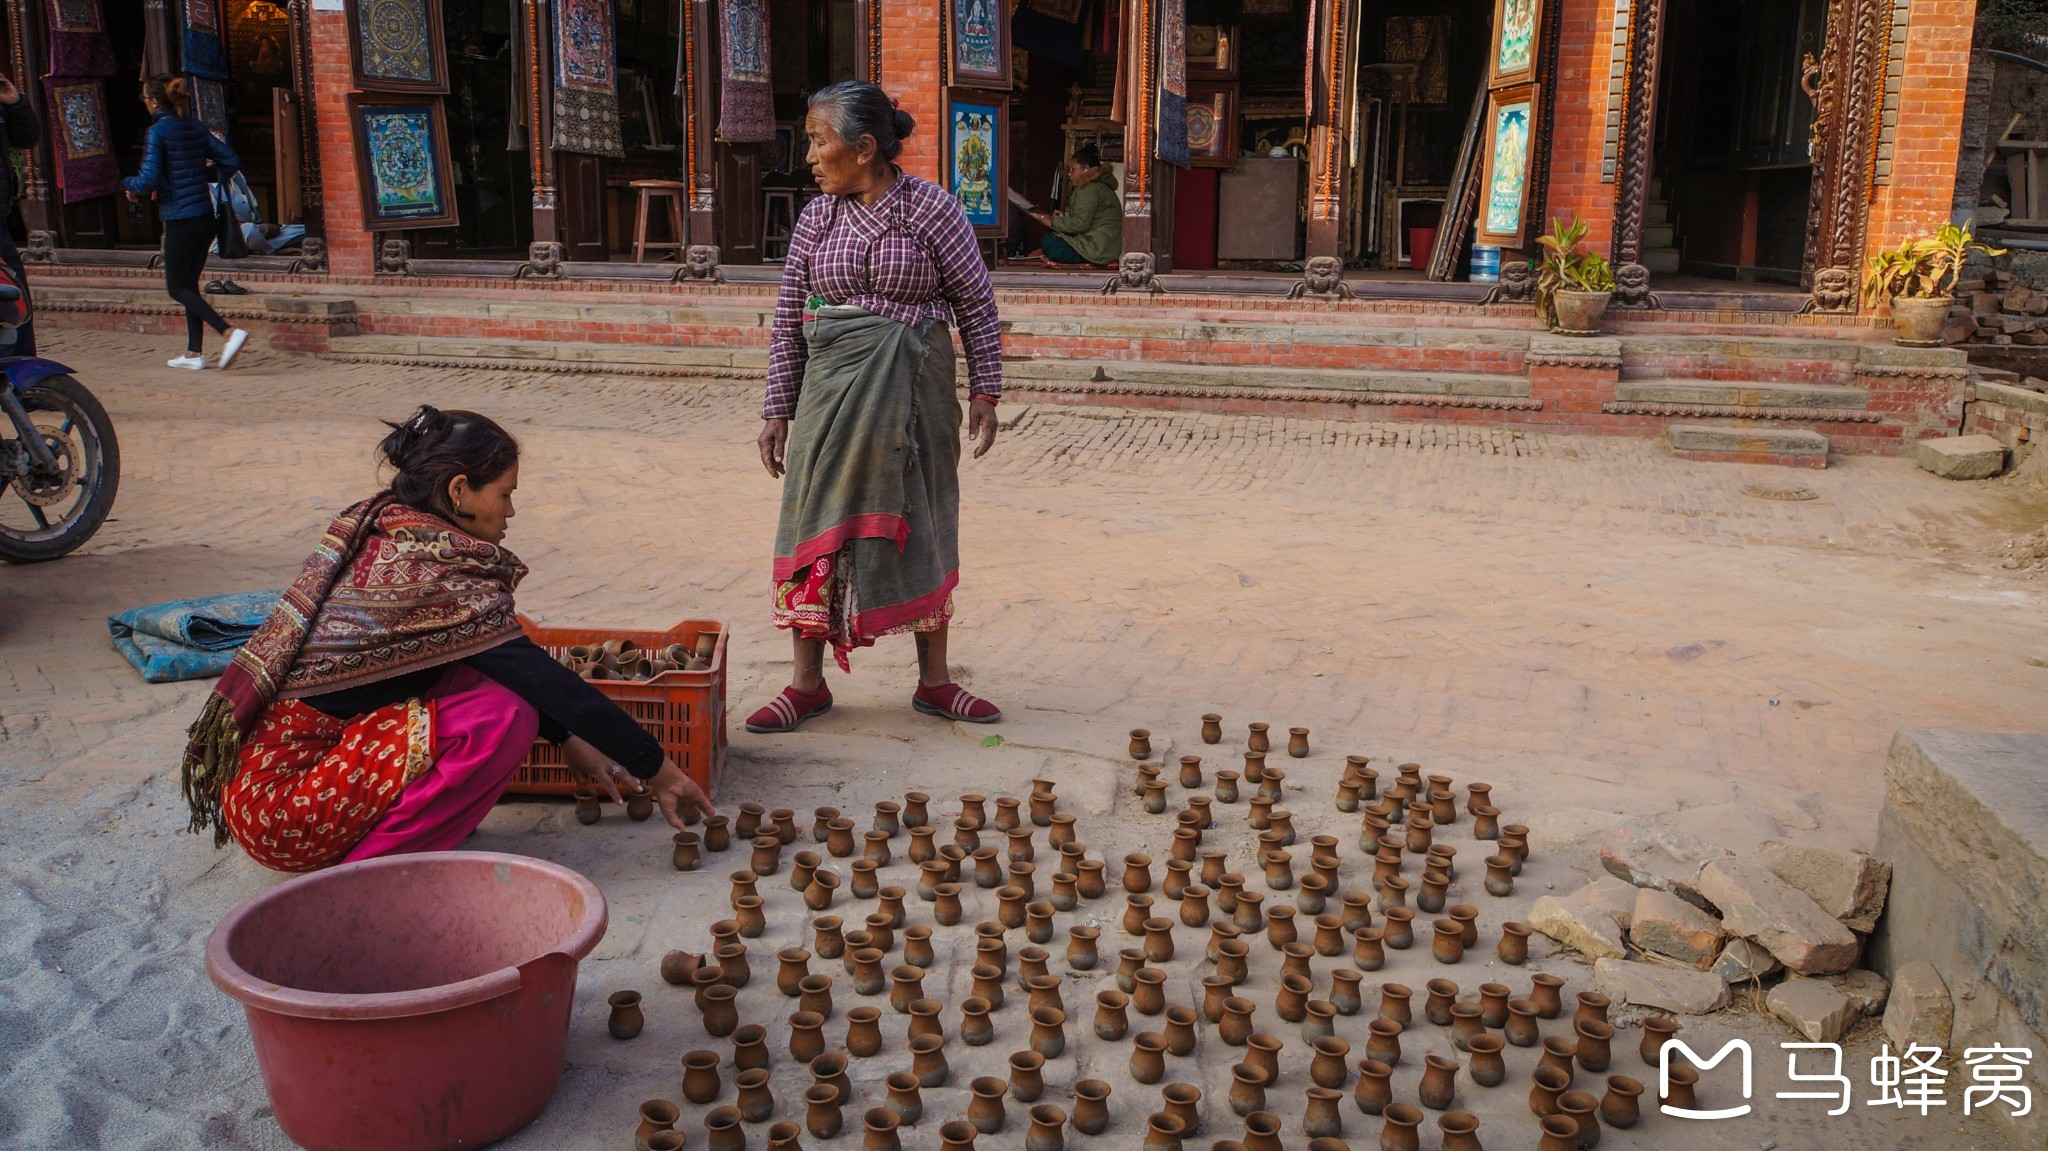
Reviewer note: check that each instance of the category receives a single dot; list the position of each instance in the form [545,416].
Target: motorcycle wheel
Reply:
[43,517]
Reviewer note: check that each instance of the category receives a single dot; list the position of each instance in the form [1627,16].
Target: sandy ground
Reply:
[1595,629]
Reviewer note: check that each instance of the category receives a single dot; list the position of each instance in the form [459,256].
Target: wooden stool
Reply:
[778,220]
[651,190]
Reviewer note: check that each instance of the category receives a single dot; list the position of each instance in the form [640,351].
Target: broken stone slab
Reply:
[1756,903]
[1848,885]
[1683,990]
[1651,853]
[1919,1010]
[1591,920]
[1813,1009]
[1865,988]
[1743,962]
[1961,457]
[1669,926]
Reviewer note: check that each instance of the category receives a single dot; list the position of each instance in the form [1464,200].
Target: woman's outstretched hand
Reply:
[981,425]
[681,800]
[594,768]
[774,441]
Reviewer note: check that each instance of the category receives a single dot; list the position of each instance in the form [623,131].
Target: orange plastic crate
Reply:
[684,710]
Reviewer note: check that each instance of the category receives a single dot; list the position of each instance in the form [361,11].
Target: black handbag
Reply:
[228,239]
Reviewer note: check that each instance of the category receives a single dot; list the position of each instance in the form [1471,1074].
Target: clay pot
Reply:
[1595,1049]
[1500,876]
[864,1032]
[924,1018]
[1557,1055]
[1248,1088]
[1357,910]
[756,1101]
[1345,993]
[1546,1084]
[1368,948]
[1007,812]
[1060,830]
[1262,1132]
[1546,991]
[656,1115]
[702,980]
[678,966]
[1089,880]
[588,809]
[1091,1106]
[916,810]
[1180,1030]
[821,1110]
[750,1047]
[1049,1032]
[1279,870]
[815,995]
[1263,1051]
[1485,823]
[1141,743]
[1149,996]
[1680,1082]
[1215,990]
[1489,1068]
[1027,1078]
[1187,842]
[700,1076]
[1283,822]
[1154,790]
[827,941]
[1137,909]
[1297,742]
[1513,948]
[1399,932]
[1184,1104]
[1066,894]
[1137,873]
[1420,830]
[1212,728]
[1656,1030]
[1386,867]
[1443,807]
[802,866]
[875,848]
[1620,1108]
[928,1060]
[1521,1027]
[1435,887]
[1248,915]
[1194,905]
[1233,960]
[1236,1028]
[721,1016]
[1326,1067]
[988,984]
[1465,1024]
[889,904]
[1439,1082]
[1081,947]
[717,833]
[1401,1130]
[753,919]
[1011,910]
[1592,1005]
[688,855]
[967,834]
[1319,1020]
[1226,787]
[819,891]
[1447,943]
[878,1130]
[1158,940]
[917,946]
[1375,1087]
[1313,897]
[1460,1131]
[905,1099]
[1582,1108]
[985,1109]
[1038,921]
[1560,1133]
[868,977]
[1042,801]
[1045,991]
[1323,1117]
[1018,845]
[1436,1007]
[1383,1042]
[767,857]
[1493,1004]
[722,1131]
[1514,843]
[1048,1129]
[806,1036]
[1349,792]
[957,1135]
[1291,1001]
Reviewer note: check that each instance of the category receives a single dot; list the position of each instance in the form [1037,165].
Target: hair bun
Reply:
[905,124]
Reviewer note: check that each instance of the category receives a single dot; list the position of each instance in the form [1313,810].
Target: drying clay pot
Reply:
[1027,1080]
[1439,1082]
[1148,1057]
[1323,1118]
[985,1110]
[1620,1108]
[1521,1027]
[905,1098]
[587,806]
[1212,728]
[1297,742]
[1091,1106]
[1595,1049]
[1375,1089]
[1401,1128]
[1546,992]
[1465,1024]
[1383,1042]
[821,1110]
[626,1018]
[1489,1068]
[1247,1089]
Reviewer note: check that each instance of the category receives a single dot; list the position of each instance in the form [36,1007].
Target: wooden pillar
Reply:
[1148,184]
[1332,35]
[540,86]
[870,63]
[24,27]
[1848,97]
[700,97]
[1638,132]
[313,201]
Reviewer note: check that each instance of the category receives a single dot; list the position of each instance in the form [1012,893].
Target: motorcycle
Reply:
[60,465]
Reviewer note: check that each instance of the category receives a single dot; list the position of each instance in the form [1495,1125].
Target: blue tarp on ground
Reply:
[189,638]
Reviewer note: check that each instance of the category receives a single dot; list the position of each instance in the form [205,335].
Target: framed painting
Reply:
[1510,132]
[978,42]
[1212,125]
[1518,26]
[402,162]
[782,157]
[210,104]
[977,154]
[1212,52]
[396,46]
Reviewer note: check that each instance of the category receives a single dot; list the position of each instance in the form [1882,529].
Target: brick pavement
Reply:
[1597,629]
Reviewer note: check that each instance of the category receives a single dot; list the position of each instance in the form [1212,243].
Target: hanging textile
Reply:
[746,99]
[86,165]
[78,39]
[587,79]
[204,47]
[1172,132]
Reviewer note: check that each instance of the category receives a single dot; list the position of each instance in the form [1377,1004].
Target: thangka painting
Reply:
[975,158]
[1517,28]
[1424,41]
[86,166]
[1504,183]
[587,79]
[205,48]
[402,163]
[210,101]
[746,96]
[78,40]
[397,45]
[979,32]
[1172,142]
[1212,126]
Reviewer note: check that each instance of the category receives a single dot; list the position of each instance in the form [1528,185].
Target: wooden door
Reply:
[579,214]
[289,157]
[739,203]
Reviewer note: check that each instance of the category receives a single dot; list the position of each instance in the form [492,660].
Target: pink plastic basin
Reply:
[410,1003]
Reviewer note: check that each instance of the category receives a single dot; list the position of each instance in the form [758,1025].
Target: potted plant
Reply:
[1573,286]
[1917,277]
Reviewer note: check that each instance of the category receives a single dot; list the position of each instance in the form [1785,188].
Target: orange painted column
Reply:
[913,73]
[1578,123]
[350,249]
[1923,174]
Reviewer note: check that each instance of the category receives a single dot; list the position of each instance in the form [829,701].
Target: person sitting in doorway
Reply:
[391,695]
[1091,230]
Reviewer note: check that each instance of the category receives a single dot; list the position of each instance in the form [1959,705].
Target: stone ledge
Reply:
[2018,399]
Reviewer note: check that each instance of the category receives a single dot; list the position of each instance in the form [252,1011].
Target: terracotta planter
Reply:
[821,1110]
[1180,1030]
[1091,1106]
[1917,320]
[1578,313]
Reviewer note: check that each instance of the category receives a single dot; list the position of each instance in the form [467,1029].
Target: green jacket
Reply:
[1094,219]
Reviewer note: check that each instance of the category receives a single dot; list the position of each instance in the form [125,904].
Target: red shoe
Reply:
[955,702]
[786,711]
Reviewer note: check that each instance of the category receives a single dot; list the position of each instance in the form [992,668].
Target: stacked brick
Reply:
[1999,310]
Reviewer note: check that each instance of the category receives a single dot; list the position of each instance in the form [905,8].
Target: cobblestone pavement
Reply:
[1597,629]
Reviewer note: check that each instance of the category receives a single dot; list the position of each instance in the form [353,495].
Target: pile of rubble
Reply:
[1997,309]
[1678,923]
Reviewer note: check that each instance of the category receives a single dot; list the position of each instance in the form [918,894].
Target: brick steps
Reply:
[1785,447]
[597,359]
[1338,385]
[1754,400]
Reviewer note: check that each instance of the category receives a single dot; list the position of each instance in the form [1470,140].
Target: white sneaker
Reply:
[190,361]
[236,338]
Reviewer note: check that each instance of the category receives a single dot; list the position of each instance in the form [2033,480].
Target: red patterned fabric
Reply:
[817,603]
[311,786]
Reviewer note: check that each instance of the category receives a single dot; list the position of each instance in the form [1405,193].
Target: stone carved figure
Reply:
[1323,277]
[42,248]
[1517,284]
[394,257]
[1632,287]
[312,255]
[700,265]
[543,261]
[1834,290]
[1135,272]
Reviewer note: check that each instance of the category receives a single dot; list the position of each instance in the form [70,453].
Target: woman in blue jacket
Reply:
[176,159]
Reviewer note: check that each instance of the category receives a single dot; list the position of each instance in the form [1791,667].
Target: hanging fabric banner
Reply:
[587,79]
[746,99]
[1172,132]
[86,165]
[205,49]
[78,39]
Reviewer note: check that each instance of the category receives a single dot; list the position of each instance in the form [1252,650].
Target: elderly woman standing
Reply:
[861,420]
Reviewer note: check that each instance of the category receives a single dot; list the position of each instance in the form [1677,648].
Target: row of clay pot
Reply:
[1258,738]
[590,806]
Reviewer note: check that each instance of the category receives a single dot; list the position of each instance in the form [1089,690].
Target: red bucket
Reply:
[1421,242]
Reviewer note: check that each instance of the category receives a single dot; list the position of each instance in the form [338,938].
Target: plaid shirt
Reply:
[910,256]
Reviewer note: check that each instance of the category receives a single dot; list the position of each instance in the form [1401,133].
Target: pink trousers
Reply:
[482,732]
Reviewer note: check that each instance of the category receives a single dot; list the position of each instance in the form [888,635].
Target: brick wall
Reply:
[1931,102]
[913,73]
[1577,125]
[350,250]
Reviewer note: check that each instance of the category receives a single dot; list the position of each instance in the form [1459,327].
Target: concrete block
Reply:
[1744,962]
[1590,920]
[1919,1010]
[1756,903]
[1762,441]
[1960,457]
[1813,1009]
[1651,853]
[1865,988]
[1848,885]
[1688,992]
[1669,926]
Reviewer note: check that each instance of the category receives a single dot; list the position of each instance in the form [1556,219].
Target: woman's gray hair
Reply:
[856,108]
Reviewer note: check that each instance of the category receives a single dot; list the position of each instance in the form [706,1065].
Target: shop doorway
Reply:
[489,139]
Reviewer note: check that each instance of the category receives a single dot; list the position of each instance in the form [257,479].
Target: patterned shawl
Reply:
[391,589]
